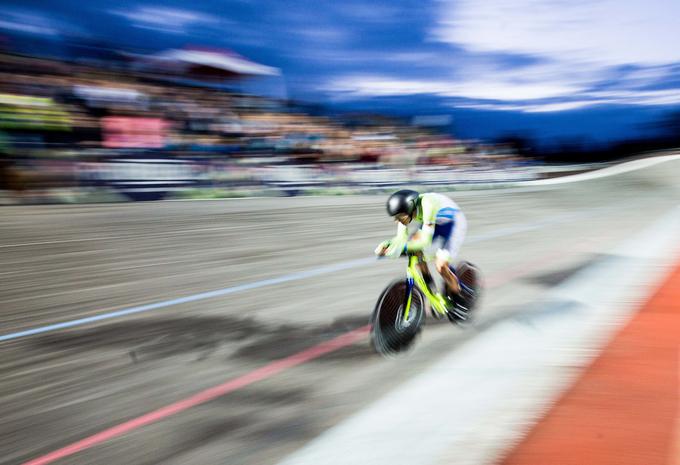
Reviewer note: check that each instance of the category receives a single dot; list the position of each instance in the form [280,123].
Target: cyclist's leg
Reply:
[442,234]
[427,276]
[443,264]
[449,251]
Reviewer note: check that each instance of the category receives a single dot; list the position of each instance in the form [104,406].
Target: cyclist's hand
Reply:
[382,248]
[395,249]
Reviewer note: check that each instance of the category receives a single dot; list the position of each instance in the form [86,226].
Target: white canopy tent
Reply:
[222,63]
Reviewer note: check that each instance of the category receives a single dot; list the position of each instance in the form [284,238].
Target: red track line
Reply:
[257,375]
[207,395]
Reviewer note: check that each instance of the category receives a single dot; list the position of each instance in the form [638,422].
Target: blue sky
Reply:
[503,60]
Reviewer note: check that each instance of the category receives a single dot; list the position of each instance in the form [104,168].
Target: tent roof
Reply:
[215,59]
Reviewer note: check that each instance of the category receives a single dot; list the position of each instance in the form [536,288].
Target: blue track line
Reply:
[191,298]
[508,231]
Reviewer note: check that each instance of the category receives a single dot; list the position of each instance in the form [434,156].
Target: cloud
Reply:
[322,34]
[373,12]
[28,23]
[166,19]
[483,88]
[543,55]
[582,45]
[494,95]
[637,97]
[413,58]
[590,32]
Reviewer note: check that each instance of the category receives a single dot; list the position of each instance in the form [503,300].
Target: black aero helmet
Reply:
[403,201]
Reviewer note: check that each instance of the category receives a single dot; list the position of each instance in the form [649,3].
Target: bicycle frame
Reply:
[415,277]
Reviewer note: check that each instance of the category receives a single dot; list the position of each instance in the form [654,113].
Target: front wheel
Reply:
[390,331]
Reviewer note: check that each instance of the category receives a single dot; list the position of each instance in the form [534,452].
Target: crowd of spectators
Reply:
[56,109]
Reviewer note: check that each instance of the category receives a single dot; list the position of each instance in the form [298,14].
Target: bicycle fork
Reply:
[410,283]
[409,297]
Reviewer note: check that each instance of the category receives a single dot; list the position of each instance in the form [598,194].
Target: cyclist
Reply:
[443,224]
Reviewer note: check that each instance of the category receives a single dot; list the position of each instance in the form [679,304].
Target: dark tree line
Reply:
[667,135]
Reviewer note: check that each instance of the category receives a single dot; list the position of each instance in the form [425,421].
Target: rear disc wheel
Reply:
[470,279]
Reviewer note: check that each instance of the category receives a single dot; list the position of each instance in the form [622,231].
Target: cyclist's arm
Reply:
[393,247]
[402,235]
[399,241]
[424,239]
[402,231]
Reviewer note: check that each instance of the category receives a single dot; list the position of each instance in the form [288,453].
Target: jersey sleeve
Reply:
[429,210]
[402,235]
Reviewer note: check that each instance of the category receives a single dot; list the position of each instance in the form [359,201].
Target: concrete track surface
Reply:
[62,263]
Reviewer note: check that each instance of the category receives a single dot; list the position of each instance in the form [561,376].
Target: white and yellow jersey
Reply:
[443,224]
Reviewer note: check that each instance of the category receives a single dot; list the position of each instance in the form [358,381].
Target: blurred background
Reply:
[260,116]
[146,101]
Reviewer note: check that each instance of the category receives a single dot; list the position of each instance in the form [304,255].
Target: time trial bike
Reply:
[399,313]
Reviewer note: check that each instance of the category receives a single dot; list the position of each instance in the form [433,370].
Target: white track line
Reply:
[604,172]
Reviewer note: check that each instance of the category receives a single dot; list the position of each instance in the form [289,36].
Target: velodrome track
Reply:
[113,312]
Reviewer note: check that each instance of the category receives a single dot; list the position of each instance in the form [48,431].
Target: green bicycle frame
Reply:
[414,276]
